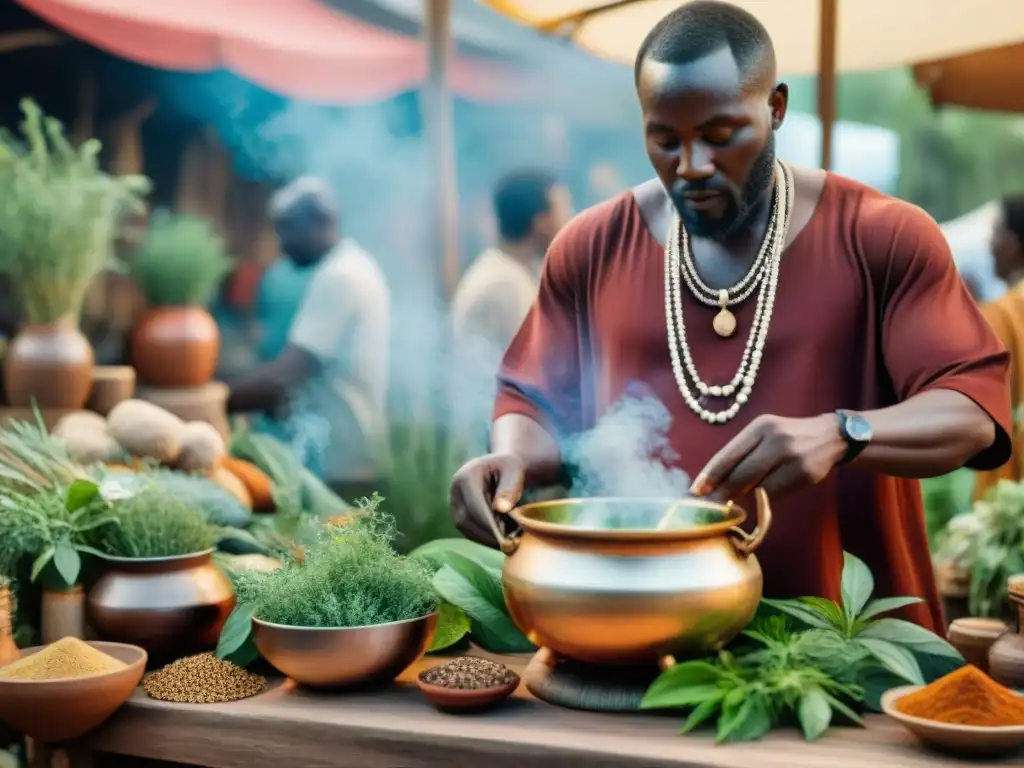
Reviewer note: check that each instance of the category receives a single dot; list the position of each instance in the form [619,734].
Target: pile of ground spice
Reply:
[965,697]
[69,657]
[469,673]
[202,679]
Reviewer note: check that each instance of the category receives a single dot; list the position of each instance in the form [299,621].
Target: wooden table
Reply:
[395,728]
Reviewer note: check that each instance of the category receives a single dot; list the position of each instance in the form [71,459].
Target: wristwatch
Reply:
[856,431]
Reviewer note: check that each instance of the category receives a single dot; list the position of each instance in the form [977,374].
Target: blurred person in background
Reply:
[1006,316]
[329,381]
[496,292]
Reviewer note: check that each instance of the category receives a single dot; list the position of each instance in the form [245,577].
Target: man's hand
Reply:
[774,453]
[482,487]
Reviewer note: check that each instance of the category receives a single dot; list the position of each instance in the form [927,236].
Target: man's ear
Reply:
[778,103]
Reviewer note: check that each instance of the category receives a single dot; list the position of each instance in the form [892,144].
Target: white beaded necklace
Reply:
[741,385]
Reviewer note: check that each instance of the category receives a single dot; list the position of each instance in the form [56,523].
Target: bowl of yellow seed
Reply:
[63,690]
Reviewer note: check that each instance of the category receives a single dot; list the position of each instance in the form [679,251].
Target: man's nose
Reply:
[695,163]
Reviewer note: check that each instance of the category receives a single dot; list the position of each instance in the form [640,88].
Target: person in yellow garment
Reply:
[1006,316]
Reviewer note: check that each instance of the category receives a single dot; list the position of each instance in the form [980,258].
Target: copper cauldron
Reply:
[624,581]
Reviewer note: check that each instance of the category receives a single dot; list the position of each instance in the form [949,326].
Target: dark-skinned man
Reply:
[808,334]
[331,376]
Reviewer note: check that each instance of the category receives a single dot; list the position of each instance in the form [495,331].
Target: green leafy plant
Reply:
[775,676]
[349,577]
[32,459]
[469,576]
[181,263]
[59,215]
[53,528]
[804,661]
[988,543]
[895,644]
[150,522]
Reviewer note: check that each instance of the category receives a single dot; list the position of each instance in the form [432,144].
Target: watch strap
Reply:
[853,447]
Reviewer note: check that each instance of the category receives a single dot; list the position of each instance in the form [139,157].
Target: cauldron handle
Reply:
[506,543]
[746,543]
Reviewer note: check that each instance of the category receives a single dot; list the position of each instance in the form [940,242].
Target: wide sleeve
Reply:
[933,334]
[539,376]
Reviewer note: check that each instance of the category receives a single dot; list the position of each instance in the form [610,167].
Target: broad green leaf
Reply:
[911,636]
[41,562]
[236,630]
[87,550]
[700,715]
[484,579]
[875,681]
[67,562]
[886,604]
[815,714]
[857,585]
[845,710]
[746,721]
[439,549]
[798,611]
[492,628]
[81,493]
[895,658]
[681,697]
[684,676]
[452,625]
[828,610]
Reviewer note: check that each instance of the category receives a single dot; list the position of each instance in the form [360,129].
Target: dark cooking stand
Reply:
[591,687]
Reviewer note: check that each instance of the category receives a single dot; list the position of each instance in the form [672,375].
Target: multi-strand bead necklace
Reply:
[763,276]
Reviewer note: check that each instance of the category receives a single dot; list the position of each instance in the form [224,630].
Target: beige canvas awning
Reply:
[870,34]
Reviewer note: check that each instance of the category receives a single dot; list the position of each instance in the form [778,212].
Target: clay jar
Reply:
[167,605]
[176,347]
[1006,657]
[50,364]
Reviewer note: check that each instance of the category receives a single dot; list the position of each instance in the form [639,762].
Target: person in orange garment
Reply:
[1006,316]
[847,360]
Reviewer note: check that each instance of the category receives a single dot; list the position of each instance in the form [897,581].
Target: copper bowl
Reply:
[66,708]
[344,658]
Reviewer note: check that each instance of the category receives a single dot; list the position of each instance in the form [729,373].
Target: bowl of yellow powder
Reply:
[63,690]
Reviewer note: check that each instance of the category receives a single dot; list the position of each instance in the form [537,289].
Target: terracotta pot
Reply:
[8,649]
[51,363]
[167,605]
[1006,657]
[176,347]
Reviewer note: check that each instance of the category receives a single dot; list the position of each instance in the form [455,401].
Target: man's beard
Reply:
[740,208]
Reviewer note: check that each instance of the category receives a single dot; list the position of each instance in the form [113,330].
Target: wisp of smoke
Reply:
[628,454]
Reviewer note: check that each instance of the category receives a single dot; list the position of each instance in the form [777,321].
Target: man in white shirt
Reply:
[332,373]
[496,292]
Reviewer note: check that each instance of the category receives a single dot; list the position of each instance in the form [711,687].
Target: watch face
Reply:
[858,429]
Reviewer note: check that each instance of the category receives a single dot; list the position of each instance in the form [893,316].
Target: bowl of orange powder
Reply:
[965,712]
[63,690]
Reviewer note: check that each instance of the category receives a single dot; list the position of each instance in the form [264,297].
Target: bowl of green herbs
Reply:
[159,587]
[353,612]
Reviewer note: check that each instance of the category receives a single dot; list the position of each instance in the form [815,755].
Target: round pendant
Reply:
[724,324]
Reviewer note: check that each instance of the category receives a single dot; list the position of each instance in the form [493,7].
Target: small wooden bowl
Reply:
[969,740]
[66,708]
[465,700]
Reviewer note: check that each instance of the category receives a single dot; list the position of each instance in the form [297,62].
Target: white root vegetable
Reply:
[202,448]
[146,430]
[87,438]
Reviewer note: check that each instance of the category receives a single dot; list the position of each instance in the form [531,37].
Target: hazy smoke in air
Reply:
[628,454]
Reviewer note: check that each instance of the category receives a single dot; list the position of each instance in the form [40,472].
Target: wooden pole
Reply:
[828,25]
[440,131]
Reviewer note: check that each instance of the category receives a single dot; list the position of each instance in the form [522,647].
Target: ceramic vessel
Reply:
[618,581]
[1006,657]
[8,649]
[465,700]
[344,658]
[167,605]
[63,709]
[50,365]
[176,347]
[962,740]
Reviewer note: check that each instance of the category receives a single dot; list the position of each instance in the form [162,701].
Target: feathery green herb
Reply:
[153,523]
[181,263]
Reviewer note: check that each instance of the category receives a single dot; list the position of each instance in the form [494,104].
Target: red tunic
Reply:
[869,311]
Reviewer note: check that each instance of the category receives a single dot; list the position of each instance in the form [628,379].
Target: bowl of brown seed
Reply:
[467,683]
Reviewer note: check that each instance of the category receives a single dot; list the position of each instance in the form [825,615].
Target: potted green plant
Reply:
[59,215]
[353,612]
[159,588]
[178,269]
[46,531]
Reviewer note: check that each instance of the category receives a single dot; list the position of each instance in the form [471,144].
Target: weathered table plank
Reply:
[396,728]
